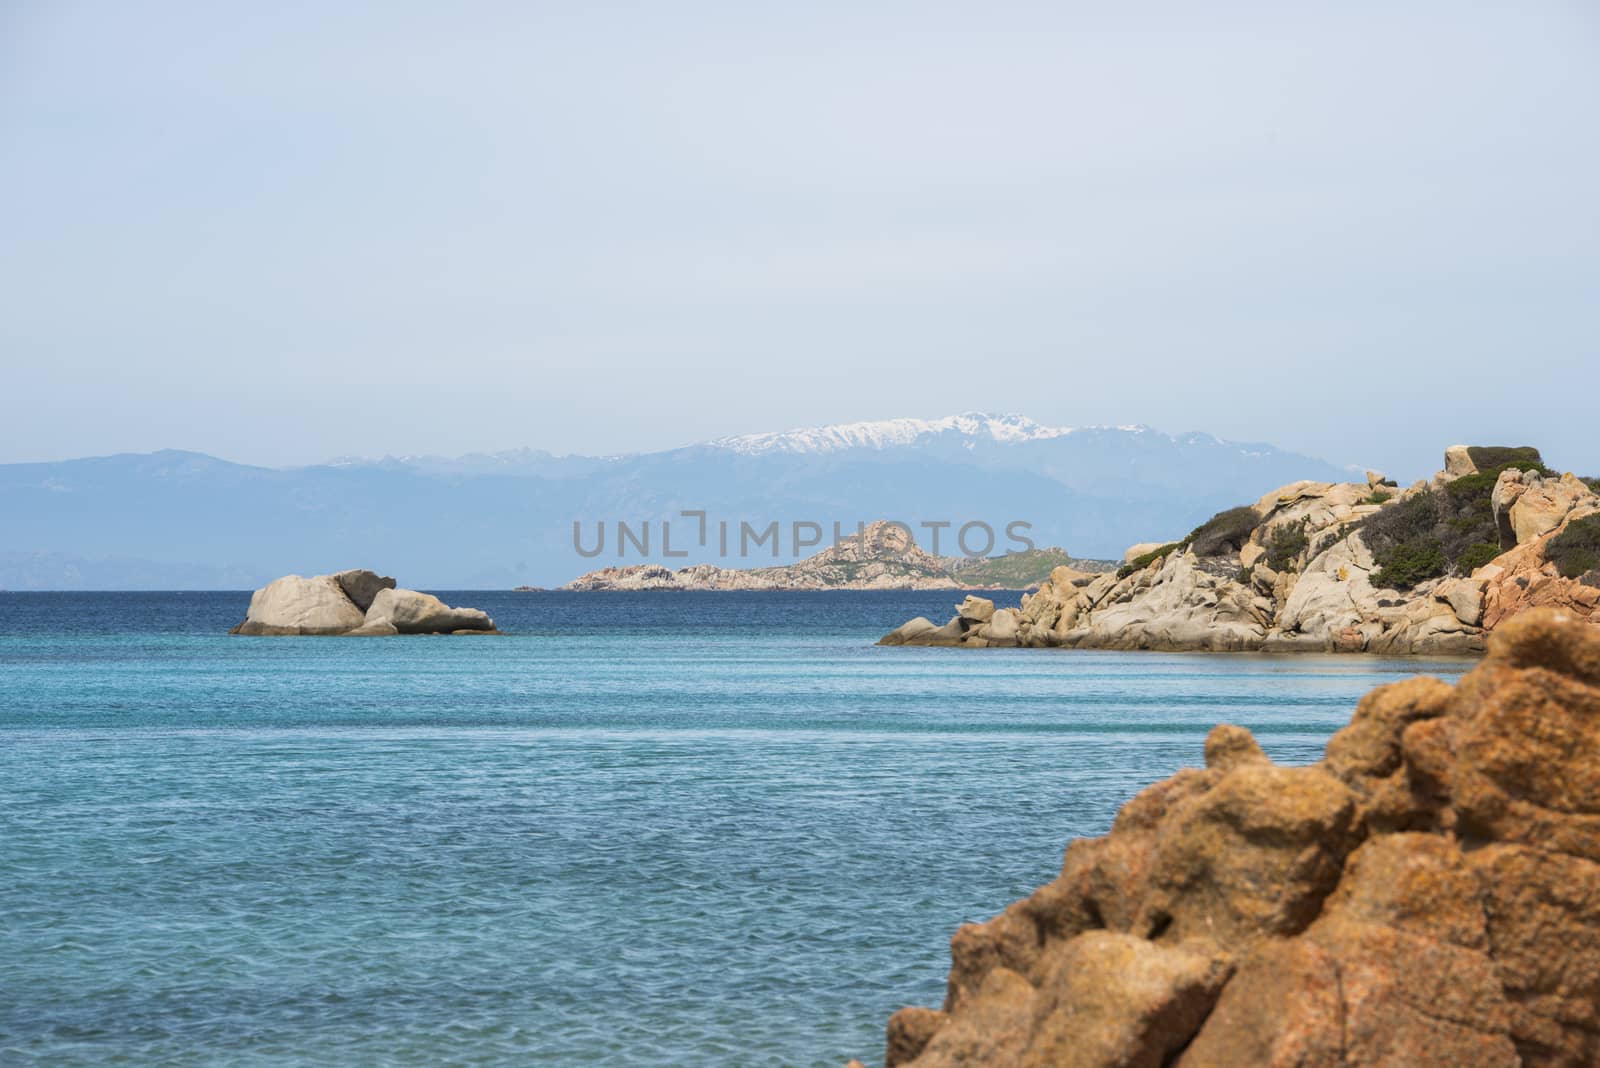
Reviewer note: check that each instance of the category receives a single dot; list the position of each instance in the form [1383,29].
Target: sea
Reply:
[639,829]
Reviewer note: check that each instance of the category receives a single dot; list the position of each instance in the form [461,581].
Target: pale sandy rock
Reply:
[411,612]
[297,605]
[1428,627]
[1287,496]
[910,630]
[1545,504]
[1465,598]
[1063,577]
[1332,593]
[976,609]
[1002,627]
[1317,504]
[1507,489]
[323,605]
[1458,462]
[1179,606]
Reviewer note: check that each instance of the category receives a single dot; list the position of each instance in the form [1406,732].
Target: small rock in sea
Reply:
[355,603]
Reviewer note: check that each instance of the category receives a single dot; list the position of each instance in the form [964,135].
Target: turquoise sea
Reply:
[669,829]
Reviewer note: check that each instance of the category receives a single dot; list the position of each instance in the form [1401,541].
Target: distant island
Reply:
[884,556]
[1329,567]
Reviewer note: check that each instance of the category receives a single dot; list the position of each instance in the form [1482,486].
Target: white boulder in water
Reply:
[357,603]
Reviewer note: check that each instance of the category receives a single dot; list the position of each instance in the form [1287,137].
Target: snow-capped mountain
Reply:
[506,518]
[892,433]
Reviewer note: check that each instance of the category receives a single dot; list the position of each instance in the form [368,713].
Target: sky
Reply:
[282,233]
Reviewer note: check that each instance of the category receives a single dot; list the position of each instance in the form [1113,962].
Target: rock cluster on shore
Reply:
[354,604]
[1426,895]
[1295,572]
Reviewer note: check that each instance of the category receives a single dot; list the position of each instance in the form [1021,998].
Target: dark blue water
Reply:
[655,829]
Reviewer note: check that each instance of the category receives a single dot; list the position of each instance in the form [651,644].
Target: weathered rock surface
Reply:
[410,612]
[1524,578]
[1304,580]
[1458,461]
[296,605]
[1426,895]
[356,603]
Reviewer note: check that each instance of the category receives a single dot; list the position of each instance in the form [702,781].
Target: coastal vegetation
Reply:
[1286,544]
[1576,550]
[1020,570]
[1226,532]
[1445,530]
[1321,567]
[1144,560]
[1222,534]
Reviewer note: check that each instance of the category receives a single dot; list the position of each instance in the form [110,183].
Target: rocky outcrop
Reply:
[410,612]
[296,605]
[1525,578]
[362,586]
[883,556]
[1426,895]
[354,603]
[1528,506]
[1293,573]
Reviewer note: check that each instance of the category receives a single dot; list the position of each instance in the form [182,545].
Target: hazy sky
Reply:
[282,232]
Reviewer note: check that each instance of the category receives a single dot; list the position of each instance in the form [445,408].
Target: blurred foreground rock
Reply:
[1426,895]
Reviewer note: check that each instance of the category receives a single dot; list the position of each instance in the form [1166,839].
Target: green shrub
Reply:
[1286,544]
[1013,571]
[1245,573]
[1404,565]
[1576,550]
[1144,560]
[1378,496]
[1408,520]
[1448,530]
[1331,538]
[1475,556]
[1223,533]
[1486,456]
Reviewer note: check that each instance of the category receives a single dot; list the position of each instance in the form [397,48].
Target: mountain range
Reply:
[185,520]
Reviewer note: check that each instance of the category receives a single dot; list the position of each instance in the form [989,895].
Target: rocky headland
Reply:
[357,604]
[884,556]
[1426,895]
[1328,567]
